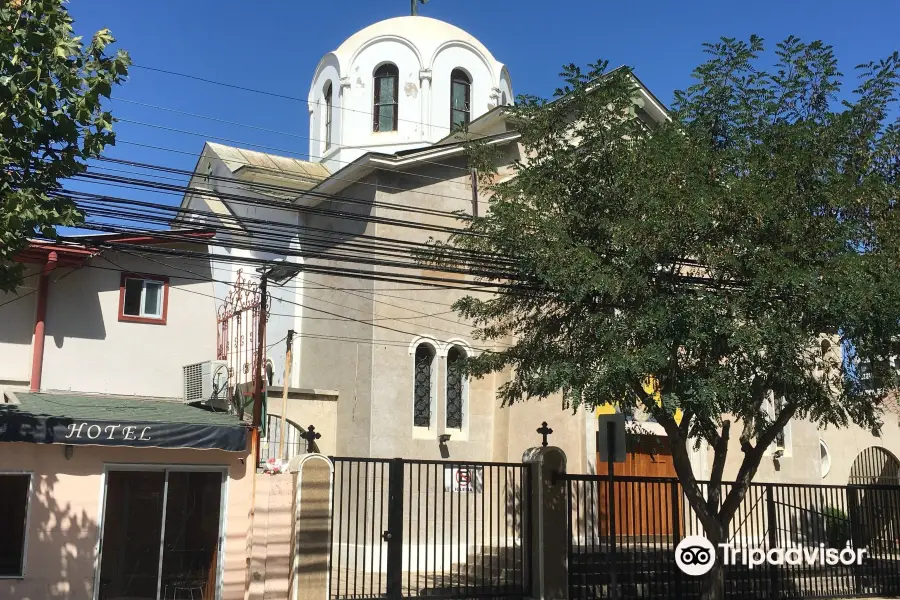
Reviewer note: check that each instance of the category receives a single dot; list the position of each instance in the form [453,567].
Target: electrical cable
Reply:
[272,94]
[301,305]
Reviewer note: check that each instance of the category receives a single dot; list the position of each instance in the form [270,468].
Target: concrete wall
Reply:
[802,461]
[17,312]
[63,533]
[338,353]
[305,409]
[87,348]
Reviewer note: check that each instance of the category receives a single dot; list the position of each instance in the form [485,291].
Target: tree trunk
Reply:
[714,586]
[714,582]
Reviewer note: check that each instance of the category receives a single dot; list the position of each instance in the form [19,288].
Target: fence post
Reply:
[676,531]
[549,543]
[855,533]
[772,535]
[394,534]
[311,528]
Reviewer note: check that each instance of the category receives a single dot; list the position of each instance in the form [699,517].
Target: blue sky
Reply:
[277,47]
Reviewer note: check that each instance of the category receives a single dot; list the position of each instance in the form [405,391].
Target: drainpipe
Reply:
[37,358]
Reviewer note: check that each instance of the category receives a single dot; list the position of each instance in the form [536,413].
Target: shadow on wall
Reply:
[17,316]
[73,304]
[60,547]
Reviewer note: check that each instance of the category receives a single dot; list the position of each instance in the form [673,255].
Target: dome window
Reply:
[387,89]
[460,99]
[328,114]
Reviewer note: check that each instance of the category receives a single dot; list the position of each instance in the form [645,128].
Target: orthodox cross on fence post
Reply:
[544,431]
[310,435]
[414,6]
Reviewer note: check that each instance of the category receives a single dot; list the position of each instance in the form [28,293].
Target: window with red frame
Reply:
[143,299]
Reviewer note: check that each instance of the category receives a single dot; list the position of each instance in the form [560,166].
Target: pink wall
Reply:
[63,528]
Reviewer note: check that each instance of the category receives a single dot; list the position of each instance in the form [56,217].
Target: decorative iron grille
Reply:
[455,388]
[875,466]
[422,408]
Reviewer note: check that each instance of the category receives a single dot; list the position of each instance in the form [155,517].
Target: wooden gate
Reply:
[642,507]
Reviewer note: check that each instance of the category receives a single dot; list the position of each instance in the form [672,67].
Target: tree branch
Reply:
[720,452]
[752,458]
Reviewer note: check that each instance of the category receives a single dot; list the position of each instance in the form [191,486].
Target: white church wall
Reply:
[425,52]
[506,89]
[360,98]
[328,71]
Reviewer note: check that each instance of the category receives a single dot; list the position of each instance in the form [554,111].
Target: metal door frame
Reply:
[166,469]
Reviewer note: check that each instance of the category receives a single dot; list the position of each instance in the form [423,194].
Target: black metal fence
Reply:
[632,554]
[413,528]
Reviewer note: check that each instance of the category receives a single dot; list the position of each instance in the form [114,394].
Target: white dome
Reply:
[425,34]
[425,54]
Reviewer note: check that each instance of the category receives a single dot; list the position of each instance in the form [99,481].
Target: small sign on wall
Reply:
[465,480]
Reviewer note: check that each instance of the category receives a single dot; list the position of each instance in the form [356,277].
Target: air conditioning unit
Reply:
[207,383]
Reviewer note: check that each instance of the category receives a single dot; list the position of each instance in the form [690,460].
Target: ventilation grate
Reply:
[193,382]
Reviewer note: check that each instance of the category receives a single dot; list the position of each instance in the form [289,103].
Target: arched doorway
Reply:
[874,500]
[875,466]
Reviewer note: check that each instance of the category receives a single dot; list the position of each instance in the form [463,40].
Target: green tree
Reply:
[716,255]
[51,119]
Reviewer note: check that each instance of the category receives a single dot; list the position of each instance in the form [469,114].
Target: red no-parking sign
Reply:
[463,479]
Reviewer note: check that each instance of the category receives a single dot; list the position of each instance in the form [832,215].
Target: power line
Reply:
[274,94]
[275,131]
[418,289]
[94,205]
[327,270]
[183,190]
[279,250]
[263,187]
[92,198]
[289,153]
[292,233]
[306,307]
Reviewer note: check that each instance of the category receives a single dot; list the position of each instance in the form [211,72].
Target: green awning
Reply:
[79,419]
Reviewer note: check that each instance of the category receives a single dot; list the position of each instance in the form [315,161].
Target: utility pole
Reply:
[257,417]
[284,390]
[260,356]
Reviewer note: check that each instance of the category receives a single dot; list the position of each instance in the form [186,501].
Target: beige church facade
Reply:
[374,365]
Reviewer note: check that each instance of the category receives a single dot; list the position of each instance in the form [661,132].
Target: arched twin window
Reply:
[328,114]
[456,387]
[385,111]
[387,90]
[424,387]
[460,99]
[423,368]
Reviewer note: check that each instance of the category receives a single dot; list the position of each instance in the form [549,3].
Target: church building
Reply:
[375,364]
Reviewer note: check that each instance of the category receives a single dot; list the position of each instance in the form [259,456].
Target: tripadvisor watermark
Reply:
[695,555]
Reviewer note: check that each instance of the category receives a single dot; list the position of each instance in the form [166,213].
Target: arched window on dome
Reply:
[460,99]
[387,90]
[327,98]
[503,100]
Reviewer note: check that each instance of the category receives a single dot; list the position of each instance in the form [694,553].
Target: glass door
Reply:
[191,542]
[129,565]
[161,535]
